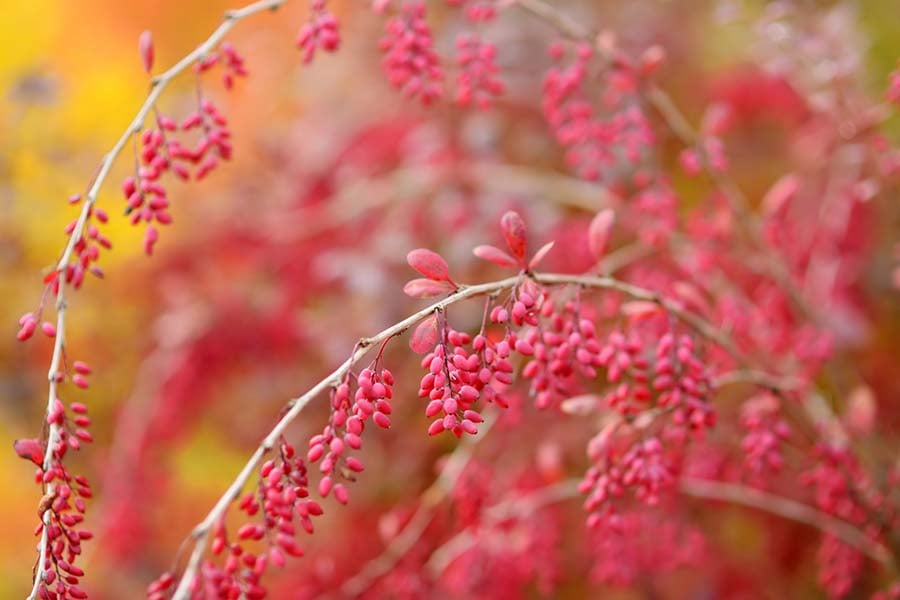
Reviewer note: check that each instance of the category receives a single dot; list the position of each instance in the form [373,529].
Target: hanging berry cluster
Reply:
[343,433]
[282,495]
[320,32]
[162,151]
[410,61]
[63,505]
[595,144]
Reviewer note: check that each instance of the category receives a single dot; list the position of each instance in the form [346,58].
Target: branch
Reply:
[295,406]
[761,378]
[701,325]
[789,509]
[514,507]
[52,438]
[696,488]
[412,532]
[158,84]
[408,183]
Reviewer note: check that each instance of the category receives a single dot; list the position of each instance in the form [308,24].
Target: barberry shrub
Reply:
[612,356]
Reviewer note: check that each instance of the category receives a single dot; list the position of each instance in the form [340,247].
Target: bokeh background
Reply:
[295,248]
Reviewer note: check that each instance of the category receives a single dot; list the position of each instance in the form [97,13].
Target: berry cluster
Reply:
[162,152]
[642,467]
[86,249]
[766,433]
[63,505]
[478,82]
[410,61]
[320,32]
[283,496]
[344,430]
[834,480]
[682,383]
[454,383]
[594,144]
[567,347]
[477,11]
[627,370]
[147,198]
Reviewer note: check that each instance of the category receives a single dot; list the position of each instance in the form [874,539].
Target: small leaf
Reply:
[861,410]
[425,336]
[495,255]
[691,297]
[717,119]
[426,288]
[430,264]
[639,309]
[145,45]
[514,231]
[540,254]
[599,231]
[782,191]
[30,449]
[598,445]
[580,405]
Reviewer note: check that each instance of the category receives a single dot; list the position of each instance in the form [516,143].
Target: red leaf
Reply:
[514,231]
[145,45]
[782,191]
[495,255]
[639,309]
[540,254]
[30,449]
[425,336]
[581,405]
[428,263]
[692,297]
[425,288]
[598,232]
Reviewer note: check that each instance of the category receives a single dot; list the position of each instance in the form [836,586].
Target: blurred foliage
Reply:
[70,81]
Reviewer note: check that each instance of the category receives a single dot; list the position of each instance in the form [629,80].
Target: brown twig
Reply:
[789,509]
[696,488]
[412,532]
[518,506]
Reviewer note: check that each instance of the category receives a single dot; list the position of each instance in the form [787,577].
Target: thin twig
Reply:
[412,532]
[704,327]
[760,378]
[158,84]
[518,506]
[696,488]
[53,438]
[789,509]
